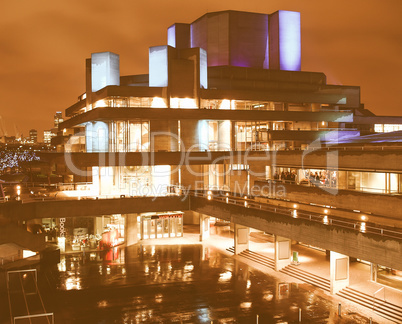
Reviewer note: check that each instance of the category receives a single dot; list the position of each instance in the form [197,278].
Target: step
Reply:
[397,308]
[316,283]
[386,313]
[309,275]
[306,272]
[257,259]
[265,262]
[260,256]
[380,305]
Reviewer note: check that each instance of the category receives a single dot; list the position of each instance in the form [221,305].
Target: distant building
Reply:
[58,119]
[33,135]
[47,136]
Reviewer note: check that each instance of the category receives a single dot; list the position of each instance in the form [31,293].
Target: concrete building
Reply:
[58,118]
[227,109]
[47,136]
[33,135]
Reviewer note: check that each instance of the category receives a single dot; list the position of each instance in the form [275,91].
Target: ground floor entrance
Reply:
[160,225]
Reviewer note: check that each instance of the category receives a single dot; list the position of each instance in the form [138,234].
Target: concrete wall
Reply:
[369,203]
[14,234]
[369,247]
[163,135]
[76,208]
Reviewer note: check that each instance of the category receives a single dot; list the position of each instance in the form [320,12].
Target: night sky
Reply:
[44,45]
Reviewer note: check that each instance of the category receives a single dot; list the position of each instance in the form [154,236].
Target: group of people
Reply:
[286,176]
[314,178]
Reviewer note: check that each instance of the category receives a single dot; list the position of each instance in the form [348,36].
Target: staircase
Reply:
[307,277]
[382,308]
[231,249]
[255,257]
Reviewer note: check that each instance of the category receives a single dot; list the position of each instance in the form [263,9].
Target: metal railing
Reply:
[361,227]
[318,184]
[375,293]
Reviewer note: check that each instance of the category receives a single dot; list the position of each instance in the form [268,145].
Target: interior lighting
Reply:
[158,102]
[225,276]
[225,104]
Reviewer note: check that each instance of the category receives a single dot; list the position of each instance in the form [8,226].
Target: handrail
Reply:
[382,288]
[310,216]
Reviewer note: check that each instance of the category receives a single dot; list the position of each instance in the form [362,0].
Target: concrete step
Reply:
[379,301]
[258,258]
[309,274]
[383,308]
[307,277]
[231,249]
[255,257]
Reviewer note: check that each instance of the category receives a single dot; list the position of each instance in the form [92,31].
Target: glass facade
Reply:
[163,225]
[129,136]
[385,128]
[374,182]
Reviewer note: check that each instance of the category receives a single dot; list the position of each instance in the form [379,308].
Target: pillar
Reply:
[131,229]
[241,238]
[282,252]
[204,227]
[339,272]
[164,135]
[224,135]
[373,272]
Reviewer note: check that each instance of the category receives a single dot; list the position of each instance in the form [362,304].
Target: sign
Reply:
[61,227]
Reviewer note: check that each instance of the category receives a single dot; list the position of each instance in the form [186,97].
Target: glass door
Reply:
[159,228]
[165,227]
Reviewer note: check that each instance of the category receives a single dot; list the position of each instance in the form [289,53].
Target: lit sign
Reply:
[62,228]
[166,216]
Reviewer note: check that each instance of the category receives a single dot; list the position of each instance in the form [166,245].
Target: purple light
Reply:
[172,36]
[289,40]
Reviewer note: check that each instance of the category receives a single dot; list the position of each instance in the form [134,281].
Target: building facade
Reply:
[213,88]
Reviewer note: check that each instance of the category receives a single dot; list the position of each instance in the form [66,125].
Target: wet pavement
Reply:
[189,283]
[178,281]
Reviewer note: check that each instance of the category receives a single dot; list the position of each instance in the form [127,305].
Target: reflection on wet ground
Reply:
[175,283]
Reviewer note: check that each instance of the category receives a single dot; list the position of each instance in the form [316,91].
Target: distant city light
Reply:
[13,159]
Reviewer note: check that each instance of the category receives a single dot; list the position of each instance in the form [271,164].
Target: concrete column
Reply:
[204,227]
[189,128]
[131,230]
[163,135]
[241,238]
[373,272]
[224,135]
[339,272]
[282,252]
[257,171]
[342,180]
